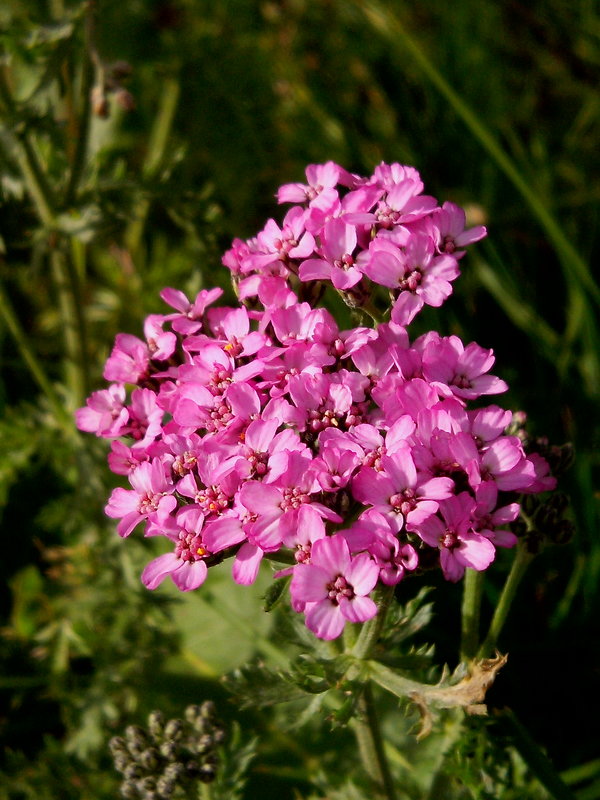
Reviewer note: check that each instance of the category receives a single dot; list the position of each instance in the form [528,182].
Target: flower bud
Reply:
[133,772]
[207,773]
[165,787]
[563,532]
[205,743]
[168,750]
[193,713]
[175,771]
[150,759]
[122,761]
[117,745]
[128,790]
[174,730]
[147,784]
[156,724]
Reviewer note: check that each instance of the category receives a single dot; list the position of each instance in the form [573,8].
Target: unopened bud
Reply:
[174,730]
[563,532]
[205,743]
[192,713]
[207,773]
[129,790]
[174,771]
[122,761]
[133,772]
[156,724]
[168,750]
[165,787]
[147,784]
[117,745]
[150,759]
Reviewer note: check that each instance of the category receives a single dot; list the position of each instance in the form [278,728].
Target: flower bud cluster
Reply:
[354,455]
[165,757]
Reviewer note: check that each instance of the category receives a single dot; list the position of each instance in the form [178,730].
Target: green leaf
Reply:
[275,592]
[257,686]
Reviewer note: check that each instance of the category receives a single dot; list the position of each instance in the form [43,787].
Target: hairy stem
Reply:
[519,566]
[371,630]
[35,368]
[370,745]
[81,121]
[26,158]
[471,606]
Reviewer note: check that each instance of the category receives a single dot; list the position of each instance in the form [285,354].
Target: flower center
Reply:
[411,280]
[190,547]
[339,589]
[149,503]
[449,540]
[212,500]
[404,502]
[293,498]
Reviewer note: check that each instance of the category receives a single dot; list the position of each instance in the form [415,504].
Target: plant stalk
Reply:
[370,745]
[519,567]
[471,607]
[371,630]
[29,357]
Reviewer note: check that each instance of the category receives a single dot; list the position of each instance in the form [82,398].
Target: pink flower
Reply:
[459,546]
[448,227]
[105,413]
[150,498]
[398,491]
[129,360]
[186,565]
[333,587]
[336,263]
[455,369]
[189,319]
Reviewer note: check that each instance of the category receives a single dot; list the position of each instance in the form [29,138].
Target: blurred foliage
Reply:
[136,139]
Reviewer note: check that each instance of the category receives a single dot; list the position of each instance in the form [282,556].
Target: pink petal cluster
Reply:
[271,432]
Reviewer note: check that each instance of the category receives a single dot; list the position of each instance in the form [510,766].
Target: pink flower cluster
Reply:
[263,430]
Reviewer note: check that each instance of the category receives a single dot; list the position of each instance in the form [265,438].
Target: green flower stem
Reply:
[522,560]
[29,357]
[370,744]
[73,324]
[471,606]
[26,157]
[366,727]
[371,630]
[65,279]
[206,791]
[82,121]
[159,137]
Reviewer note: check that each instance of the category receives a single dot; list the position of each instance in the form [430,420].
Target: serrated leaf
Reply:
[255,685]
[317,675]
[235,761]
